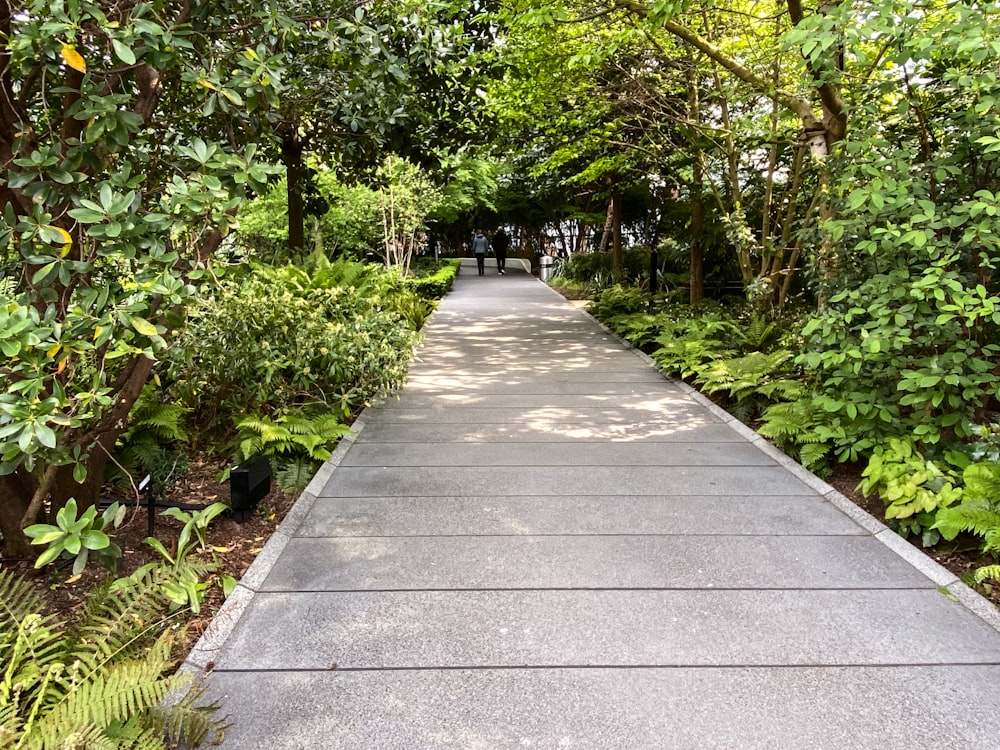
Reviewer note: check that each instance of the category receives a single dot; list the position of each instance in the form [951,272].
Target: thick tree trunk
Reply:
[21,503]
[291,155]
[88,492]
[15,496]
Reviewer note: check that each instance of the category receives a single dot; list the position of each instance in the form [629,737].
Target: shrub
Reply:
[433,282]
[286,338]
[913,488]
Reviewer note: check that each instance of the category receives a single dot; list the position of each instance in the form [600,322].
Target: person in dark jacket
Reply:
[500,244]
[479,246]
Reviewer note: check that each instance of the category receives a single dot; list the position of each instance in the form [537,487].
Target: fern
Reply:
[100,681]
[150,443]
[792,425]
[292,434]
[758,334]
[968,517]
[745,375]
[294,476]
[979,511]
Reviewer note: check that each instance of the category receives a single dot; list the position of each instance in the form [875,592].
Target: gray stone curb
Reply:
[202,655]
[948,583]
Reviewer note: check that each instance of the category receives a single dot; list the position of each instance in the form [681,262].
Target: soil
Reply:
[234,546]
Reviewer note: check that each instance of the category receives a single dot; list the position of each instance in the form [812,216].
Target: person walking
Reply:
[500,244]
[479,246]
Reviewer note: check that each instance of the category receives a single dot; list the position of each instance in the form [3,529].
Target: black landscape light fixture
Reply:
[249,483]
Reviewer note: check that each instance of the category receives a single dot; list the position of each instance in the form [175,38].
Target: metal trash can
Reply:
[545,269]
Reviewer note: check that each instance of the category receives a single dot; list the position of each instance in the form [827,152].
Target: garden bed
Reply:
[233,545]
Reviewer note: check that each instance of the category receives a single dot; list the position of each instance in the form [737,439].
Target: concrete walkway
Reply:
[543,543]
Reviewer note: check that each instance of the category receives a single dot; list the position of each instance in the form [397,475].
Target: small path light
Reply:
[248,485]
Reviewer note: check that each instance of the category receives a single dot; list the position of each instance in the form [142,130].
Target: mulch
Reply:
[232,544]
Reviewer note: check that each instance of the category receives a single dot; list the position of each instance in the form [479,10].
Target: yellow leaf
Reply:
[66,238]
[53,351]
[98,330]
[73,59]
[206,84]
[62,365]
[73,579]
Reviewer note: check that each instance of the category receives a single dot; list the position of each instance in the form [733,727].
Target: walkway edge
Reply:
[947,582]
[201,658]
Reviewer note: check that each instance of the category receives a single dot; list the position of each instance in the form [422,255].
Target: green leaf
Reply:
[73,544]
[43,533]
[124,53]
[49,555]
[45,435]
[143,326]
[95,539]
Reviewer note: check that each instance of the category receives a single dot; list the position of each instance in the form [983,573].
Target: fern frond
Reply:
[119,622]
[986,573]
[189,719]
[967,517]
[124,689]
[814,456]
[295,476]
[982,481]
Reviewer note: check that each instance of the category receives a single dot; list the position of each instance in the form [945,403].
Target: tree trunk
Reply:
[582,236]
[608,224]
[291,155]
[697,277]
[105,435]
[617,252]
[15,496]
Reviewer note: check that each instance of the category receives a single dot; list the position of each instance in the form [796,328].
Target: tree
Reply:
[126,138]
[386,76]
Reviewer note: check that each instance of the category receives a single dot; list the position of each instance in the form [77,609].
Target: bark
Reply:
[582,236]
[617,252]
[148,79]
[15,495]
[608,224]
[778,260]
[103,439]
[697,260]
[291,154]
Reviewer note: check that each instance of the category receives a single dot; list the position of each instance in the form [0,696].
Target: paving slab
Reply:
[636,416]
[589,562]
[780,515]
[461,385]
[558,454]
[550,376]
[405,481]
[487,629]
[674,402]
[798,708]
[549,432]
